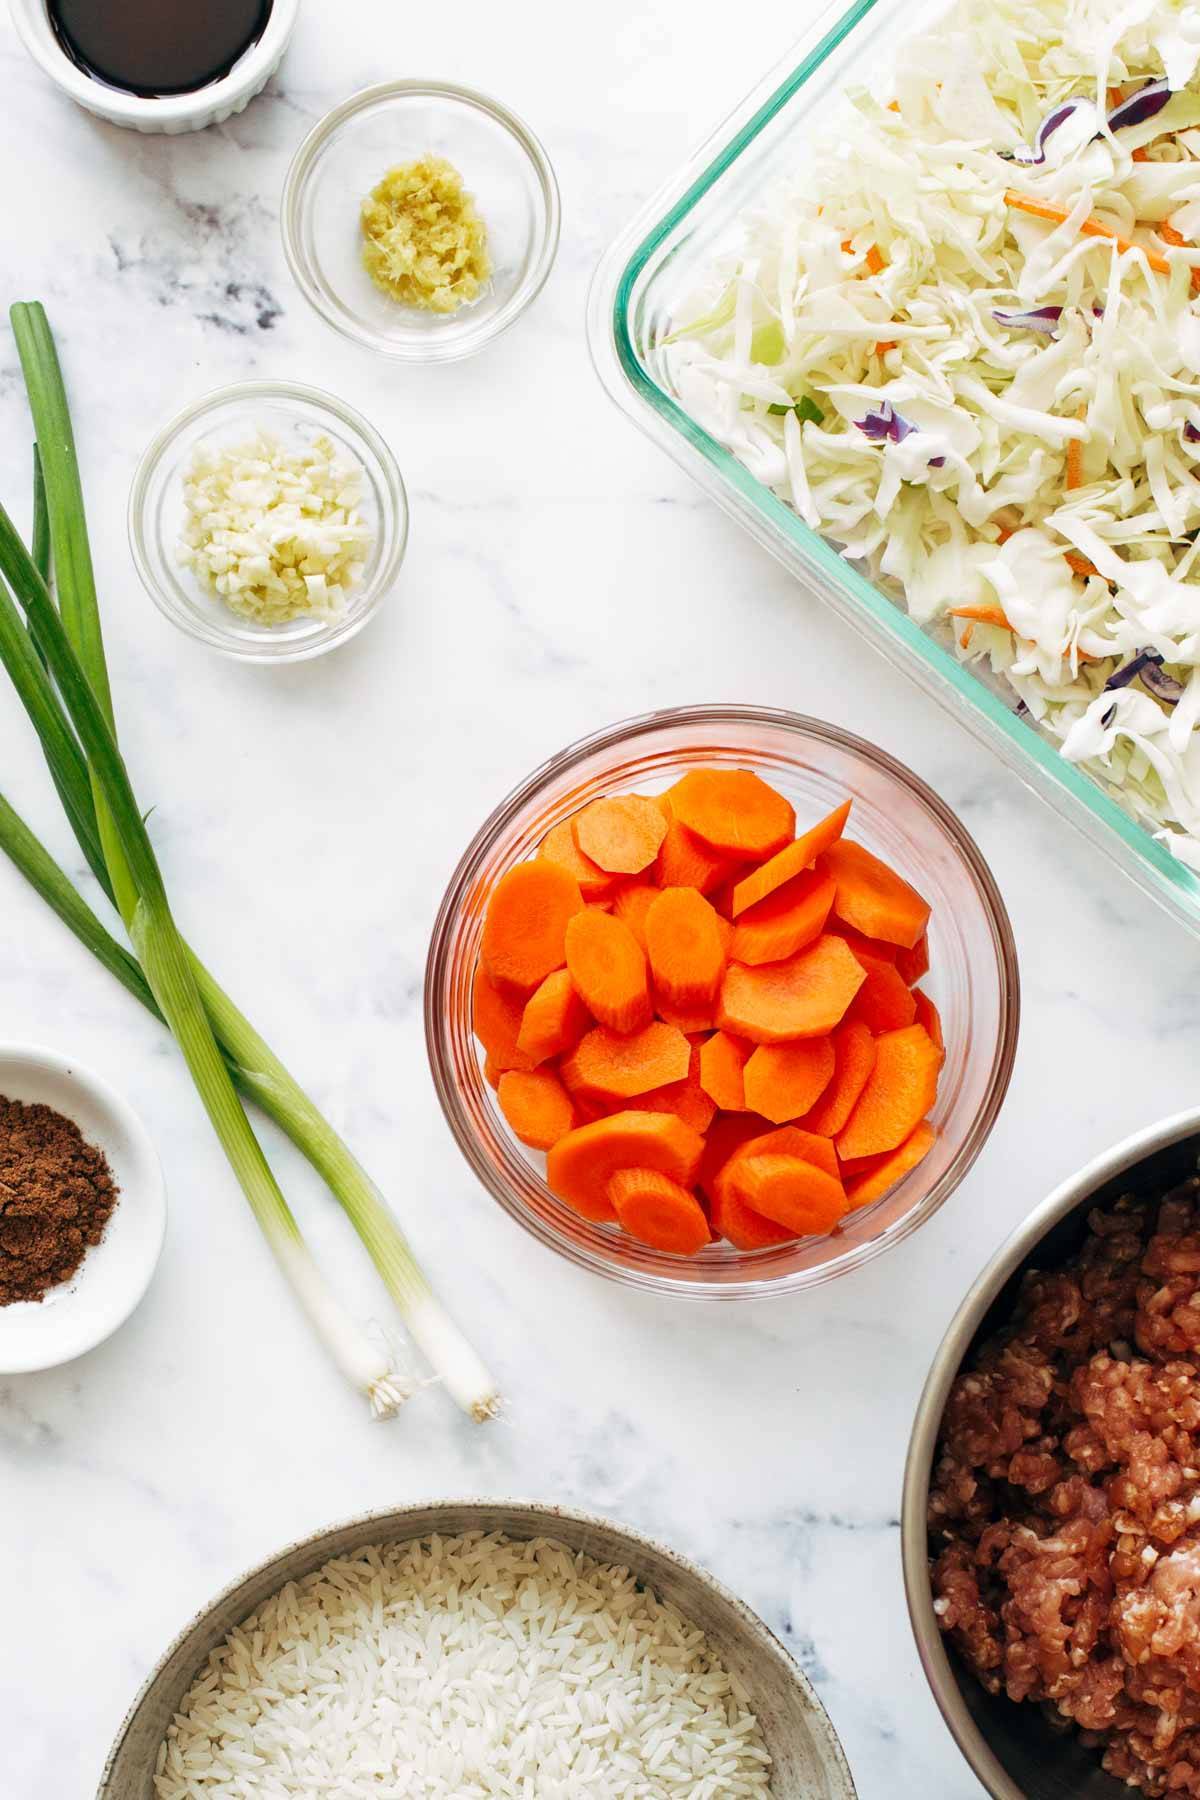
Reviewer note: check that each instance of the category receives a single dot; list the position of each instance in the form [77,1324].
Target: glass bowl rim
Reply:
[435,348]
[441,946]
[396,527]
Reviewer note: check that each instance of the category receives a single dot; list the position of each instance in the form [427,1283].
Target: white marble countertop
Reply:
[293,816]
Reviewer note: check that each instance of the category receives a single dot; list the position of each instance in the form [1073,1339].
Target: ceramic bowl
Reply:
[168,113]
[808,1760]
[115,1273]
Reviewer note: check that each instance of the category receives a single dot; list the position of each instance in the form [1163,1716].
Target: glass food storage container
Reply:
[663,258]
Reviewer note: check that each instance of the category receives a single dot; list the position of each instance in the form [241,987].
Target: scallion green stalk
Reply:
[252,1064]
[166,965]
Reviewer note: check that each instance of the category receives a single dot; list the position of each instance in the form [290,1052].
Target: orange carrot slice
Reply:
[631,904]
[559,847]
[1049,209]
[579,1165]
[792,860]
[686,1099]
[722,1062]
[536,1105]
[982,615]
[683,861]
[496,1022]
[883,1002]
[741,1225]
[875,259]
[900,1090]
[853,1060]
[657,1211]
[608,968]
[912,964]
[491,1074]
[873,898]
[793,1140]
[727,1133]
[795,1194]
[524,933]
[554,1018]
[621,833]
[928,1015]
[611,1065]
[782,1081]
[872,1184]
[786,921]
[690,1020]
[683,943]
[1075,456]
[734,811]
[872,953]
[806,996]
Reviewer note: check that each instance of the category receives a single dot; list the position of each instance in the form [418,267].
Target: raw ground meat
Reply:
[1064,1511]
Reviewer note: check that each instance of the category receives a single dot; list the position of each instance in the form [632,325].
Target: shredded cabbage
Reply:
[957,345]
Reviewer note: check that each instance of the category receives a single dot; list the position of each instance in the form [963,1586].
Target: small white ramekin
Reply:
[172,113]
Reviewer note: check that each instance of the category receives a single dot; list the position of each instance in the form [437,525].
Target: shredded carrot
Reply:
[1169,235]
[1080,564]
[1058,215]
[893,106]
[982,615]
[884,345]
[965,636]
[1113,97]
[875,260]
[1141,154]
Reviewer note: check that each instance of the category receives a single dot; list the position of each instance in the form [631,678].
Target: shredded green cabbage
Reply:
[942,457]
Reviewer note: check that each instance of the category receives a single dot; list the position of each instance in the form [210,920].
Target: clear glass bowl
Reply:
[665,254]
[343,157]
[231,415]
[973,979]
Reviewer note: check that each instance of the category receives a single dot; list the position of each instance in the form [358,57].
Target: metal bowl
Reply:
[1014,1749]
[808,1760]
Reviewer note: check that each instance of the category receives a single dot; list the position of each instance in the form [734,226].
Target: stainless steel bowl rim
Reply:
[389,1517]
[946,1363]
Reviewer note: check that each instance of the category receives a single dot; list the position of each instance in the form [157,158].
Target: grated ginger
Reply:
[423,241]
[275,529]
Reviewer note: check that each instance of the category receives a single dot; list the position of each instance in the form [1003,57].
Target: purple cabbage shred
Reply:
[1042,318]
[885,424]
[1191,432]
[1140,106]
[1147,668]
[1034,155]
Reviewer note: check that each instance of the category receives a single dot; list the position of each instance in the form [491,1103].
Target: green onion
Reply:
[805,409]
[168,970]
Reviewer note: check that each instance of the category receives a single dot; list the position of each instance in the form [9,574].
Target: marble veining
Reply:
[561,574]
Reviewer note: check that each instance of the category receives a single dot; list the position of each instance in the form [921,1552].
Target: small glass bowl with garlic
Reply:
[268,520]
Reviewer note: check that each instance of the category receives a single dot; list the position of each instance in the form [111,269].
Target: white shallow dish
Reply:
[172,113]
[807,1757]
[114,1273]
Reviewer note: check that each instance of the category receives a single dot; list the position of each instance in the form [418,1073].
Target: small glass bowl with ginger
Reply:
[973,980]
[361,181]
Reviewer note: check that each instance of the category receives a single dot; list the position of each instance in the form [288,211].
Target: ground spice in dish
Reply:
[56,1195]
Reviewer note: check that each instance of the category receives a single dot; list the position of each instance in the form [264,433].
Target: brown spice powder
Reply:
[56,1195]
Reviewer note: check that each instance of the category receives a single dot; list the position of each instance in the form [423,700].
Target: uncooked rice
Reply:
[457,1668]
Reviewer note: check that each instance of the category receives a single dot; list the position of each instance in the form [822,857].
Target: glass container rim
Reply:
[441,950]
[393,525]
[433,348]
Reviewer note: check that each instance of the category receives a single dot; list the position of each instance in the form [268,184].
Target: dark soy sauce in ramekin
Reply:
[154,47]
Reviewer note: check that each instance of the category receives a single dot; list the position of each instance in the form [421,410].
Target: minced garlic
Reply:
[423,241]
[275,528]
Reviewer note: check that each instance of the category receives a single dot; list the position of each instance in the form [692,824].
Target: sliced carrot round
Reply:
[914,963]
[559,847]
[536,1105]
[783,1080]
[884,1002]
[872,1184]
[806,996]
[787,920]
[873,898]
[853,1060]
[795,1194]
[608,968]
[733,810]
[684,945]
[900,1090]
[727,1133]
[789,862]
[686,1098]
[793,1140]
[579,1166]
[745,1229]
[928,1015]
[496,1022]
[657,1211]
[614,1065]
[524,932]
[631,902]
[554,1018]
[685,861]
[621,833]
[723,1059]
